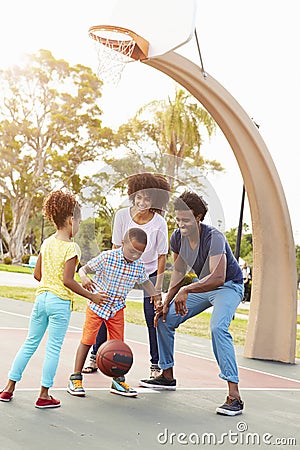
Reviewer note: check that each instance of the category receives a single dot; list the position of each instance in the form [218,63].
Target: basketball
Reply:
[114,358]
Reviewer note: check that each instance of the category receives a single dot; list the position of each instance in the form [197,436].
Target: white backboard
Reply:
[165,24]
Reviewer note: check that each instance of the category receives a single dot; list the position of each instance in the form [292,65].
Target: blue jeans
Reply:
[224,300]
[50,312]
[149,314]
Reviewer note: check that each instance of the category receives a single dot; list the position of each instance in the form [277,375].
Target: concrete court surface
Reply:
[185,418]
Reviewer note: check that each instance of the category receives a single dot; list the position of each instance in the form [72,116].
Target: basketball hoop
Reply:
[116,46]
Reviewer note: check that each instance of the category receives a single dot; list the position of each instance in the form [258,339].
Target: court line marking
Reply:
[177,351]
[140,390]
[240,367]
[27,317]
[14,314]
[157,391]
[14,328]
[77,329]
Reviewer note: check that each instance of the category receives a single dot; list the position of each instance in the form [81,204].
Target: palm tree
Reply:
[177,128]
[162,137]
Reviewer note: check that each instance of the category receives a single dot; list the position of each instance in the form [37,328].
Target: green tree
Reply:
[94,235]
[175,128]
[163,137]
[104,224]
[50,123]
[246,248]
[86,239]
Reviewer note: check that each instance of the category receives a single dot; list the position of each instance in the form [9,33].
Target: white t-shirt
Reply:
[157,236]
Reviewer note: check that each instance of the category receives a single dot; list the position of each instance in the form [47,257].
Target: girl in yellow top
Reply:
[55,271]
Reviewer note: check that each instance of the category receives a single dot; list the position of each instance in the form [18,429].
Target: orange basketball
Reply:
[114,358]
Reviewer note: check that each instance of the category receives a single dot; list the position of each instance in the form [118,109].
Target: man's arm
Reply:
[176,281]
[216,278]
[177,278]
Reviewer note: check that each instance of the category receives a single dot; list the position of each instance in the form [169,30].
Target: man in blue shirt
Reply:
[205,250]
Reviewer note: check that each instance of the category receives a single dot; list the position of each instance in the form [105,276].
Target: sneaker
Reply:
[119,386]
[159,382]
[154,371]
[75,385]
[43,403]
[232,407]
[6,396]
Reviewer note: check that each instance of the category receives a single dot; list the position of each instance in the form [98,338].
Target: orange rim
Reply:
[141,47]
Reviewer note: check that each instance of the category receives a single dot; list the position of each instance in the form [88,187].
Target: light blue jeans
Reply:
[224,300]
[50,312]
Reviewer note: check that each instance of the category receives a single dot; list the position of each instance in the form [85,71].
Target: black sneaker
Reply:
[231,407]
[159,383]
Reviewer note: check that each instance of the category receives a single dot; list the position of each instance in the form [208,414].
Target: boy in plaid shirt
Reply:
[115,273]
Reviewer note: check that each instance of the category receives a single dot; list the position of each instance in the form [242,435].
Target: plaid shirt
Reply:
[115,276]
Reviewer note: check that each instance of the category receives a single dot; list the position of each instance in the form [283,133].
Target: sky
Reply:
[250,47]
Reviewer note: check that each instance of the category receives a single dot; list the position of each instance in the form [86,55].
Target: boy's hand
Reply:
[100,298]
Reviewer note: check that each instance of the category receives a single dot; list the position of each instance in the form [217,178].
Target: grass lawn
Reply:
[197,326]
[21,269]
[17,269]
[246,313]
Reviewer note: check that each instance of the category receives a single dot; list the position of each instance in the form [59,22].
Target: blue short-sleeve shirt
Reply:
[212,242]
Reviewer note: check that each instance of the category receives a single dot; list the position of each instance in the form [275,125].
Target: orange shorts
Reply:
[92,324]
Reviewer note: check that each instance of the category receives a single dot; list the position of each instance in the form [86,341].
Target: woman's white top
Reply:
[157,236]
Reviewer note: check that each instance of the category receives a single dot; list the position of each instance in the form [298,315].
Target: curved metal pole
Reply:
[272,320]
[240,227]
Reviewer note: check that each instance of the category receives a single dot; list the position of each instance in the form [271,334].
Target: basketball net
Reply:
[113,52]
